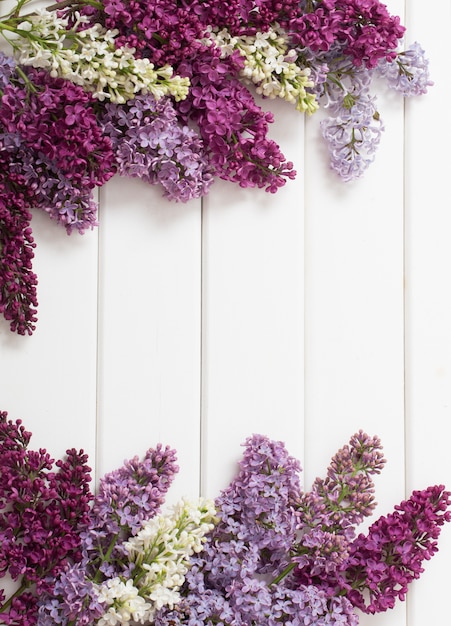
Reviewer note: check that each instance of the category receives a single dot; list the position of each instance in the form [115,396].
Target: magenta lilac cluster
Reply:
[43,510]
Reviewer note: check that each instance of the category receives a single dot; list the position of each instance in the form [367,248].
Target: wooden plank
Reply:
[354,372]
[149,328]
[253,313]
[49,379]
[428,301]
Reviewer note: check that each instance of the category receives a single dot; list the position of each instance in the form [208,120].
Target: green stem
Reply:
[25,584]
[289,568]
[105,558]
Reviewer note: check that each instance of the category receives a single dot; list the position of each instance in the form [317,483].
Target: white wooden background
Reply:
[304,316]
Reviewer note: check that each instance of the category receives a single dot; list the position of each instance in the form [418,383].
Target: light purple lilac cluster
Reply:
[42,512]
[409,73]
[151,142]
[281,555]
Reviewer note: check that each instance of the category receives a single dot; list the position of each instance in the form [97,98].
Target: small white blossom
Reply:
[125,603]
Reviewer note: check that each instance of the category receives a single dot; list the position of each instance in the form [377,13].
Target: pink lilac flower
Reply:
[41,514]
[408,72]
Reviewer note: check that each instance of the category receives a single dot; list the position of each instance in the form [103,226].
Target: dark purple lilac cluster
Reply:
[281,555]
[381,564]
[364,29]
[42,511]
[52,155]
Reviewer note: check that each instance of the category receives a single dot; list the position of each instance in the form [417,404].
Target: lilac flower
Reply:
[408,72]
[72,598]
[43,116]
[352,133]
[7,68]
[18,300]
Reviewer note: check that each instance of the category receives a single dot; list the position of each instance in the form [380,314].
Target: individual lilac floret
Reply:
[382,564]
[352,133]
[7,68]
[408,72]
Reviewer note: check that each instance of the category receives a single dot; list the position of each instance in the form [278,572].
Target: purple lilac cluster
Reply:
[239,578]
[245,16]
[165,31]
[126,497]
[52,154]
[334,506]
[54,118]
[151,142]
[41,514]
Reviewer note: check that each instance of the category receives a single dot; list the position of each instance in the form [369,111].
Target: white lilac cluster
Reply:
[271,66]
[159,556]
[88,57]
